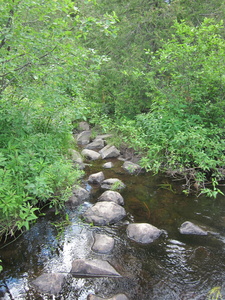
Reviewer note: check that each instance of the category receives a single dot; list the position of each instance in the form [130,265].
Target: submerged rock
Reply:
[190,228]
[109,152]
[112,196]
[131,167]
[49,283]
[103,243]
[104,213]
[112,183]
[90,154]
[93,268]
[96,178]
[116,297]
[143,232]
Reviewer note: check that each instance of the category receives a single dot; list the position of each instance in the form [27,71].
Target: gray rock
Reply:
[104,136]
[77,158]
[104,213]
[79,195]
[112,196]
[131,167]
[116,297]
[103,243]
[109,151]
[143,232]
[108,165]
[83,126]
[92,268]
[90,154]
[96,178]
[112,184]
[190,228]
[96,144]
[84,137]
[49,283]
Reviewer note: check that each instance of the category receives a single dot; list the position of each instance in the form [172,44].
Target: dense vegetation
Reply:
[153,71]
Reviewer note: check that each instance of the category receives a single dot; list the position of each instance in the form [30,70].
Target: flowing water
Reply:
[173,267]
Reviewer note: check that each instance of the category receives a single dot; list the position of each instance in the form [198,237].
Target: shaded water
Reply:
[173,267]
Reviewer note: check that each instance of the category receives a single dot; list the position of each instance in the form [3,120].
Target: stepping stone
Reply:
[96,178]
[103,243]
[77,158]
[104,213]
[108,165]
[112,184]
[83,126]
[49,283]
[104,136]
[112,196]
[143,233]
[131,167]
[90,154]
[96,144]
[92,268]
[109,152]
[84,137]
[190,228]
[79,195]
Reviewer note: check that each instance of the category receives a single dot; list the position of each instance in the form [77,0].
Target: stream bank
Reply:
[174,266]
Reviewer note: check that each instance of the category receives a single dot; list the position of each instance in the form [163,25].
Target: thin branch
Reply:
[28,63]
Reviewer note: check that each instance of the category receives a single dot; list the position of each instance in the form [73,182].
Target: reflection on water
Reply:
[173,267]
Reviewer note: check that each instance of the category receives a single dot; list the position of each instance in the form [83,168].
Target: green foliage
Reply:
[188,72]
[185,128]
[1,268]
[183,133]
[45,73]
[121,91]
[61,225]
[215,293]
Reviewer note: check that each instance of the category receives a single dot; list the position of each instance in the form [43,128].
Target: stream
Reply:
[174,267]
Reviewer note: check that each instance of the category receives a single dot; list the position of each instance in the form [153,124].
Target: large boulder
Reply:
[96,177]
[96,144]
[79,195]
[112,196]
[103,243]
[112,184]
[104,213]
[92,268]
[90,154]
[109,152]
[84,137]
[143,232]
[131,167]
[115,297]
[49,283]
[190,228]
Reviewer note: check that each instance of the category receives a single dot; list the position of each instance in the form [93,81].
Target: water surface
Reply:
[173,267]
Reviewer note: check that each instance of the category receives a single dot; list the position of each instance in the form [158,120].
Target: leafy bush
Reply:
[185,128]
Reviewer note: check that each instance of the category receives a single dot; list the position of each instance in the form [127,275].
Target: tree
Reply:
[44,74]
[185,128]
